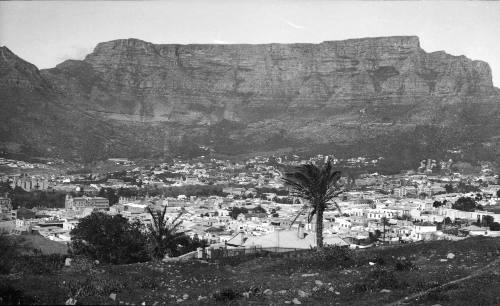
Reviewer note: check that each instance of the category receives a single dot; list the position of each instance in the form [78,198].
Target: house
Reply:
[75,203]
[474,230]
[294,239]
[70,224]
[5,208]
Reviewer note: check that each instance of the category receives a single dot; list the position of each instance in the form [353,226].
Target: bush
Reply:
[379,260]
[405,265]
[109,239]
[82,264]
[226,294]
[380,279]
[8,253]
[466,204]
[334,254]
[93,285]
[9,295]
[147,282]
[423,285]
[495,226]
[38,264]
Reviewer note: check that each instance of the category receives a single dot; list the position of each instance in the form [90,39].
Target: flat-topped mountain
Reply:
[134,98]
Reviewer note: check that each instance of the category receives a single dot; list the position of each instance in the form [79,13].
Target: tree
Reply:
[374,236]
[495,226]
[259,209]
[317,185]
[110,194]
[164,235]
[5,188]
[193,244]
[487,221]
[466,204]
[109,239]
[437,204]
[449,188]
[447,220]
[462,187]
[498,193]
[235,211]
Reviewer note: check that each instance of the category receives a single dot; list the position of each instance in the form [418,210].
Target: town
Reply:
[246,204]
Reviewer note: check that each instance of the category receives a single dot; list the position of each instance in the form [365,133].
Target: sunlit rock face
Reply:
[135,98]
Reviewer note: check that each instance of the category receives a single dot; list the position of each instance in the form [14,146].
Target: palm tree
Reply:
[384,223]
[317,185]
[164,235]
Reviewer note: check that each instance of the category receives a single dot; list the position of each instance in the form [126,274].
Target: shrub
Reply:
[109,239]
[466,204]
[39,264]
[335,254]
[147,282]
[379,260]
[8,253]
[93,285]
[82,264]
[437,295]
[9,295]
[405,265]
[380,279]
[423,285]
[226,294]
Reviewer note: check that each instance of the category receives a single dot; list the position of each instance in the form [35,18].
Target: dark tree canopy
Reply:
[462,187]
[109,239]
[449,188]
[235,211]
[110,194]
[466,204]
[259,209]
[495,226]
[437,204]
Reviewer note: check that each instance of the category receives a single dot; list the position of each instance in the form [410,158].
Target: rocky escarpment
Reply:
[143,98]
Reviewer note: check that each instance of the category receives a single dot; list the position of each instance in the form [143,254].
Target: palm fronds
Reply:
[163,232]
[317,185]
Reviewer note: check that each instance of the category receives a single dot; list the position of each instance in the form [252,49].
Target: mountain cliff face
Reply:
[133,98]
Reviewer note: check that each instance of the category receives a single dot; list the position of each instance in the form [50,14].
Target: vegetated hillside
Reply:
[132,98]
[423,274]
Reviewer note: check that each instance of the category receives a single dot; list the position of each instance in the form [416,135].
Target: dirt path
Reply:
[423,293]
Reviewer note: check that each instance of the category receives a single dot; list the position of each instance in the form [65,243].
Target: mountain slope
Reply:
[133,98]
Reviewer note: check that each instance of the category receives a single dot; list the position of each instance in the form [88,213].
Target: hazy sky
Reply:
[46,33]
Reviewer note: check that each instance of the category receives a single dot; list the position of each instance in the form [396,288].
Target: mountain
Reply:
[132,98]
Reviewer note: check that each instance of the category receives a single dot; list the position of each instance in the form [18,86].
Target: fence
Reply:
[225,252]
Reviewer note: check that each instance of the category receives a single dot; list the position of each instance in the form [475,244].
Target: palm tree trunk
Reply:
[319,229]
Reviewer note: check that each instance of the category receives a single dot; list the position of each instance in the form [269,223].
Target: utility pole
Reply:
[383,223]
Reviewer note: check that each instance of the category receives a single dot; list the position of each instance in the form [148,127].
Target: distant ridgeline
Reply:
[380,96]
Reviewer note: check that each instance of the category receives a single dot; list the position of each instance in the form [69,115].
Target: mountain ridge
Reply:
[134,98]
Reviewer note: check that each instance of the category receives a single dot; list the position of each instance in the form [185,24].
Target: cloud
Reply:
[293,25]
[74,52]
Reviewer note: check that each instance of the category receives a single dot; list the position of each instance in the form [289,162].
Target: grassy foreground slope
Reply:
[420,274]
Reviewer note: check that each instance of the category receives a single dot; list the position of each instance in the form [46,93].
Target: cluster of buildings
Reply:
[255,209]
[12,163]
[30,183]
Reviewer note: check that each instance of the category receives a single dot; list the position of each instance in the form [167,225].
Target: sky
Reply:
[46,33]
